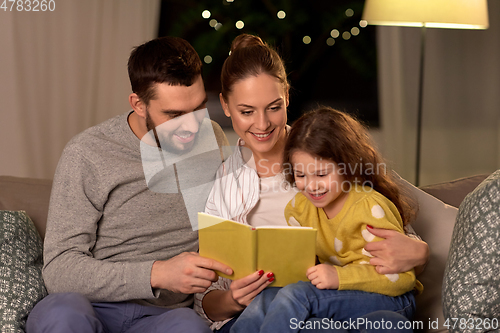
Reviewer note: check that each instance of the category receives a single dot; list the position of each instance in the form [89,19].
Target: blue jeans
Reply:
[289,308]
[73,313]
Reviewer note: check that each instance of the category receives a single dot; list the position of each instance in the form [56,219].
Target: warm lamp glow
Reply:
[454,14]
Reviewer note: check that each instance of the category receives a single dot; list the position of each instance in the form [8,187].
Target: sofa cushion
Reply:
[27,194]
[21,284]
[471,288]
[434,224]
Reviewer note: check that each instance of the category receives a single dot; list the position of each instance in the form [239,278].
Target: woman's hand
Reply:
[244,290]
[323,276]
[397,253]
[223,304]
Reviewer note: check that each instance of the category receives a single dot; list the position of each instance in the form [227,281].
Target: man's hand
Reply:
[323,276]
[397,253]
[186,273]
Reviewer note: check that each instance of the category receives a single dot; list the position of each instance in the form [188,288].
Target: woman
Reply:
[250,186]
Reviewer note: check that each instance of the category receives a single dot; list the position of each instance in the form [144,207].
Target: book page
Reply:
[228,242]
[287,252]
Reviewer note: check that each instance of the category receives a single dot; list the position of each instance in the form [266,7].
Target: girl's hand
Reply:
[244,290]
[323,276]
[397,253]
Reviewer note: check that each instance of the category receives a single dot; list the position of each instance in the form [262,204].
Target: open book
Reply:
[286,251]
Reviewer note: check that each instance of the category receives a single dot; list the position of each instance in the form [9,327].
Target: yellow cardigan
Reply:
[341,240]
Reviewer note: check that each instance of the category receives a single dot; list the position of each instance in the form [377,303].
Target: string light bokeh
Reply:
[328,50]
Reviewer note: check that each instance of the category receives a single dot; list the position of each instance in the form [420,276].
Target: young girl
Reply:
[344,191]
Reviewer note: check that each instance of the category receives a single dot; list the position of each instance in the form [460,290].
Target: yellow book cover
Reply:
[286,251]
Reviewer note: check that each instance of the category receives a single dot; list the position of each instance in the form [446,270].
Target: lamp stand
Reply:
[420,105]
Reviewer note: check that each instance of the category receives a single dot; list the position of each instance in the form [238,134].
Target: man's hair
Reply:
[170,60]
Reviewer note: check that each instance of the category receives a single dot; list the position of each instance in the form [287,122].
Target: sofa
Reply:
[32,196]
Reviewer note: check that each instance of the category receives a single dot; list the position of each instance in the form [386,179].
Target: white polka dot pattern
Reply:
[293,222]
[338,245]
[368,236]
[392,277]
[377,212]
[334,260]
[366,253]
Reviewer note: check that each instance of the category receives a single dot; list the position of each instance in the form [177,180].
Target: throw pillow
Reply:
[434,223]
[471,287]
[21,284]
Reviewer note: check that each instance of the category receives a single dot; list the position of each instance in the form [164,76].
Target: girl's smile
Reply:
[319,180]
[317,196]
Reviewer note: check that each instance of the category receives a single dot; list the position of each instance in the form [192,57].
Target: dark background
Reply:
[343,76]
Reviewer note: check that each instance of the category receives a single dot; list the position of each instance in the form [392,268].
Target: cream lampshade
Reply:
[455,14]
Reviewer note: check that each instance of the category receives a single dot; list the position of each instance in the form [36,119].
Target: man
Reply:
[118,256]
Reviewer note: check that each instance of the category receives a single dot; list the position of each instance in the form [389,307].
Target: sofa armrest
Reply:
[28,194]
[454,192]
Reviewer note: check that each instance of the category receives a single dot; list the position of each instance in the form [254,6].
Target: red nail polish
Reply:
[369,226]
[270,274]
[271,279]
[261,272]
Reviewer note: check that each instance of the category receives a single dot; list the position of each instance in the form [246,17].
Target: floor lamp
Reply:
[453,14]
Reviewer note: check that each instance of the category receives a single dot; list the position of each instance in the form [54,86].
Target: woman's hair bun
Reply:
[246,40]
[250,56]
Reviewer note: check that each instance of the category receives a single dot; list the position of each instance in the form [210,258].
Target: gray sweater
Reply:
[105,227]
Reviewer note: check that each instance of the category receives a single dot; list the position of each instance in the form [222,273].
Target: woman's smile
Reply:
[263,136]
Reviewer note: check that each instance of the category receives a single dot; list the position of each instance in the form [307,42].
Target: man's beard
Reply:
[170,148]
[150,126]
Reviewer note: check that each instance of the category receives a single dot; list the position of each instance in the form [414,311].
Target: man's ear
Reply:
[224,106]
[137,105]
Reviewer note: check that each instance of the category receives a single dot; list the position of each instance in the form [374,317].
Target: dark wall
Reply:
[342,75]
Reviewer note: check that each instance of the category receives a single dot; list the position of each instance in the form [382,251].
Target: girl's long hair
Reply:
[333,135]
